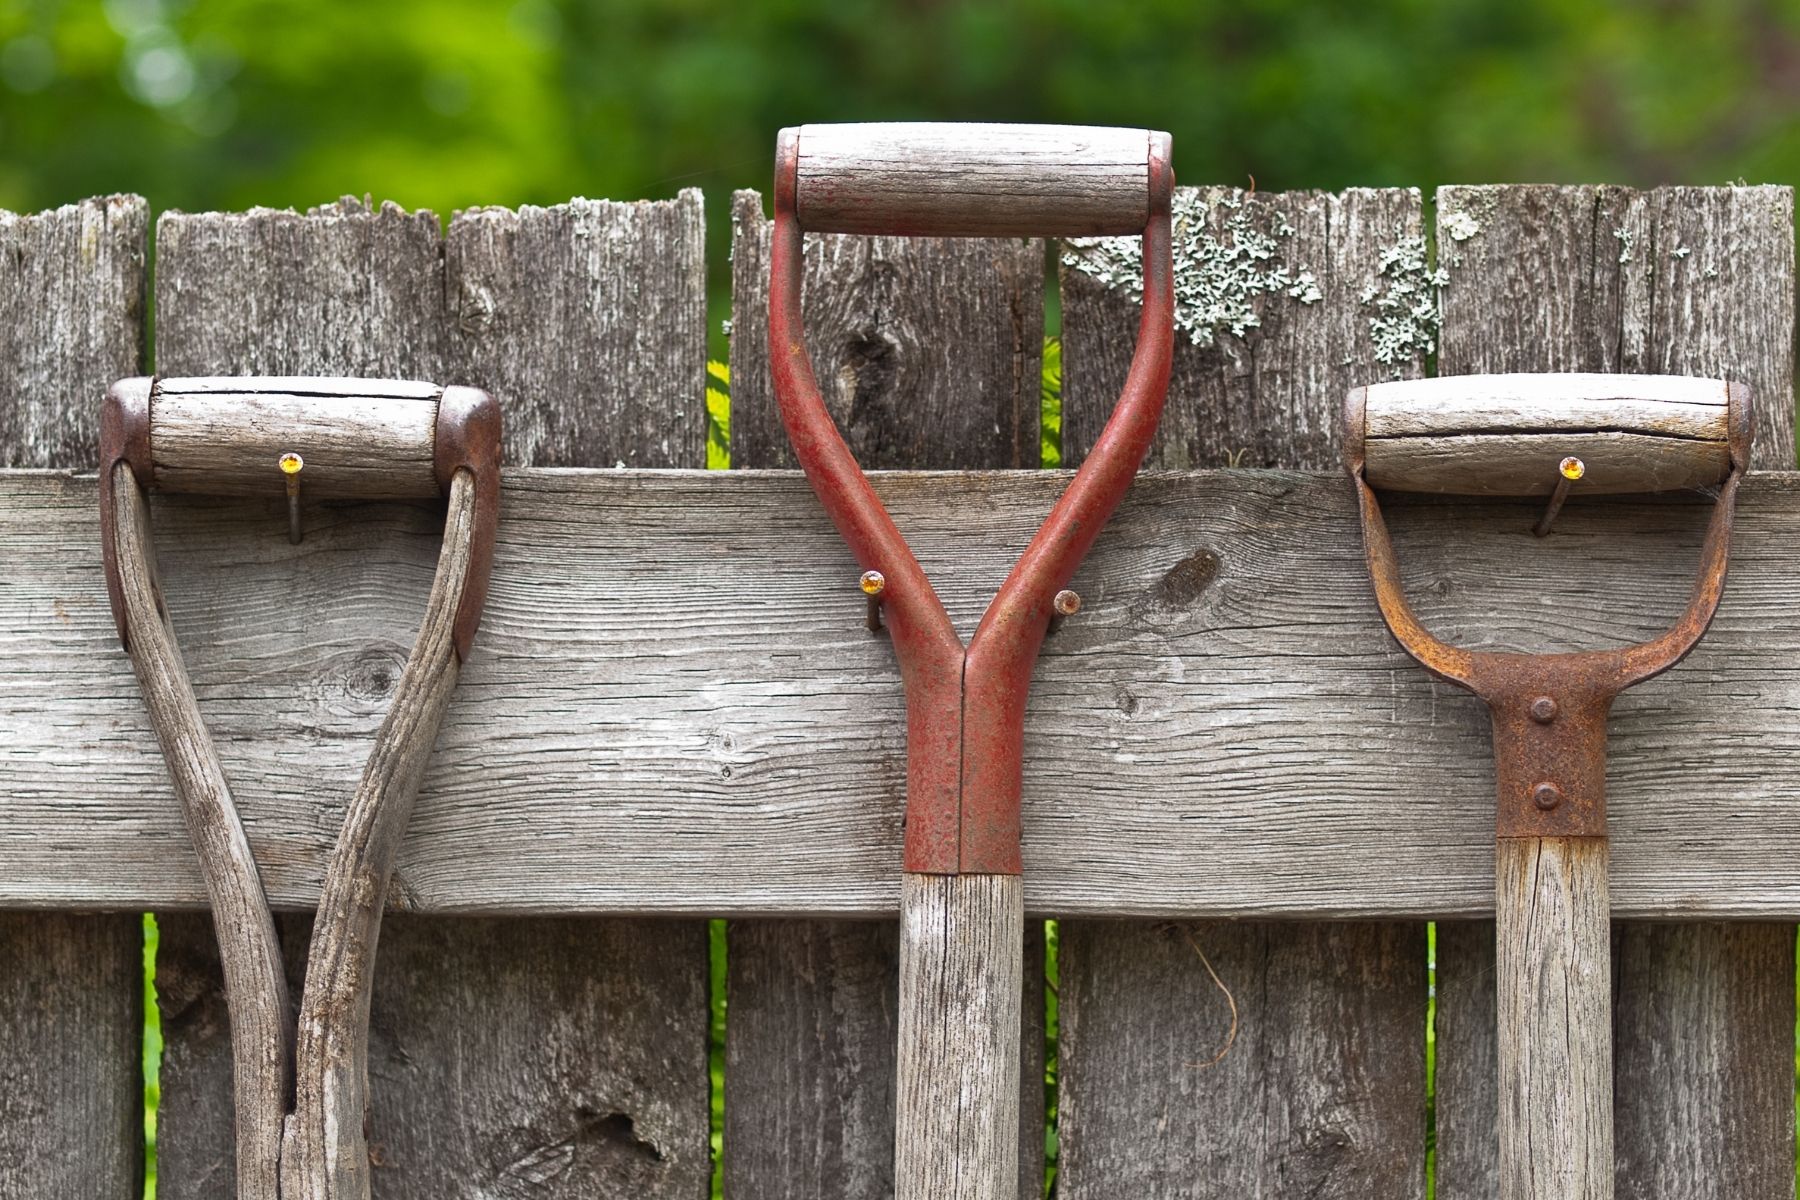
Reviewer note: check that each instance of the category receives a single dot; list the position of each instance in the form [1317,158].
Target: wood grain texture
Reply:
[611,724]
[928,351]
[1335,1065]
[1681,994]
[72,313]
[593,1096]
[1690,281]
[945,313]
[324,1151]
[1313,1087]
[358,439]
[586,323]
[1468,1061]
[262,1027]
[1505,435]
[1272,397]
[972,179]
[71,1004]
[1554,985]
[956,1090]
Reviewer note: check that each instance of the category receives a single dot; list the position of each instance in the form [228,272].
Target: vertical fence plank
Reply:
[71,990]
[1322,1093]
[1687,281]
[928,352]
[579,1047]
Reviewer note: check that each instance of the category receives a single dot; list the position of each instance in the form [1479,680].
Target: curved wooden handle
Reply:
[962,961]
[973,180]
[1505,435]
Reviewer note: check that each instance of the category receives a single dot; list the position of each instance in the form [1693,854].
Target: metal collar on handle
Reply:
[966,707]
[1549,710]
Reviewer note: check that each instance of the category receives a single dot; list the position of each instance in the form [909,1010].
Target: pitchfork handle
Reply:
[973,180]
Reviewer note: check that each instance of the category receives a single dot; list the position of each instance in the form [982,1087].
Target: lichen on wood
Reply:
[1224,265]
[1406,302]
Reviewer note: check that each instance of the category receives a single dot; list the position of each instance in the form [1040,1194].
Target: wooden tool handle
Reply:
[1505,435]
[954,180]
[962,961]
[1554,973]
[356,439]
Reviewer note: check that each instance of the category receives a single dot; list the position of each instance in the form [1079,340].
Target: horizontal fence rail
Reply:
[675,707]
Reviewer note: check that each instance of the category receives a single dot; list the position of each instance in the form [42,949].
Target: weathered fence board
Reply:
[1227,700]
[576,1050]
[1687,281]
[71,1004]
[1287,301]
[927,349]
[928,353]
[1332,1059]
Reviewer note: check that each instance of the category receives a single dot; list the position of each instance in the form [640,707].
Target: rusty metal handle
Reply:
[973,180]
[317,438]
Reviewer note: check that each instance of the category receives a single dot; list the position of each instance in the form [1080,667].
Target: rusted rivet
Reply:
[1546,796]
[291,464]
[1567,472]
[873,584]
[1543,710]
[1064,604]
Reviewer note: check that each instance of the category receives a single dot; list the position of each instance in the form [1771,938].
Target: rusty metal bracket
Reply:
[1549,711]
[966,707]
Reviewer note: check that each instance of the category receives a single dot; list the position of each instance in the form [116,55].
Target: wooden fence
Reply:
[674,711]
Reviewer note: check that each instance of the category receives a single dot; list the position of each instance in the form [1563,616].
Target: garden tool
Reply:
[961,905]
[300,1095]
[1562,435]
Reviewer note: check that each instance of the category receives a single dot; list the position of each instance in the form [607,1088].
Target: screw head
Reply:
[290,463]
[1546,796]
[873,583]
[1543,710]
[1066,603]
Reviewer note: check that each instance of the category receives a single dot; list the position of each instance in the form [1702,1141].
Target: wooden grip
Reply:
[955,180]
[357,438]
[1505,435]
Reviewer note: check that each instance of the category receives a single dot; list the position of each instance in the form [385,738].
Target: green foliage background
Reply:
[443,104]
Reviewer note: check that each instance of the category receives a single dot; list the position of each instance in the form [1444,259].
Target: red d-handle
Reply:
[966,709]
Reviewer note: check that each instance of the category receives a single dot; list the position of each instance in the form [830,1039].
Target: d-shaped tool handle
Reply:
[961,900]
[1524,435]
[954,180]
[314,437]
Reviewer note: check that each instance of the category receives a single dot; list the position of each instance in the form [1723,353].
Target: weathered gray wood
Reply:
[1694,281]
[1505,435]
[972,179]
[72,312]
[324,1154]
[586,323]
[1273,326]
[71,1006]
[1298,1071]
[358,439]
[1680,996]
[250,953]
[1468,1061]
[1228,646]
[957,1084]
[928,351]
[943,345]
[1272,395]
[593,1095]
[1554,976]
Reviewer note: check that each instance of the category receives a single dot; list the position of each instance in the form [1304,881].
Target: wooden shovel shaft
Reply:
[957,1097]
[1554,971]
